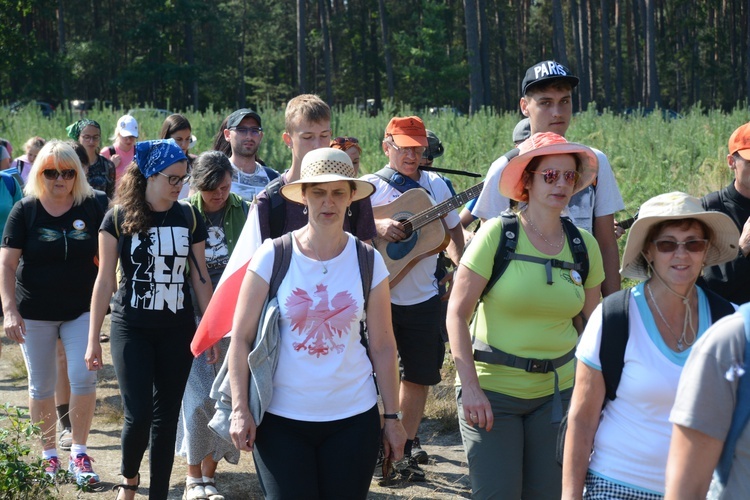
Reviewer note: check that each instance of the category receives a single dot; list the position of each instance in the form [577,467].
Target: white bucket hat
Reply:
[723,246]
[326,165]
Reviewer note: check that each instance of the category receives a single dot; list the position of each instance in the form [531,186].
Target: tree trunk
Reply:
[652,79]
[747,54]
[618,55]
[606,63]
[559,53]
[301,47]
[61,42]
[326,51]
[584,62]
[484,51]
[472,47]
[386,49]
[578,101]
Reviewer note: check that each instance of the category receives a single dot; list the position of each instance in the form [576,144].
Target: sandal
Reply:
[129,487]
[194,491]
[211,492]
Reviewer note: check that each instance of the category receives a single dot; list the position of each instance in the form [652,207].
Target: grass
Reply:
[17,370]
[441,401]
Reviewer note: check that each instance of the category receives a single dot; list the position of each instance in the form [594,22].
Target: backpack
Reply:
[509,240]
[401,183]
[10,183]
[741,413]
[613,344]
[187,212]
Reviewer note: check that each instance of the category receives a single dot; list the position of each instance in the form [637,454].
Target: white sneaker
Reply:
[194,491]
[211,492]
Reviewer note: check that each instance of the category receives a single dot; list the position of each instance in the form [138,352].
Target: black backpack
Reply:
[506,251]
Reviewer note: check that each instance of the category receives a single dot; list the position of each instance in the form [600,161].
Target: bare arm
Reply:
[456,246]
[203,291]
[104,286]
[384,358]
[15,328]
[692,459]
[583,421]
[605,236]
[467,287]
[244,329]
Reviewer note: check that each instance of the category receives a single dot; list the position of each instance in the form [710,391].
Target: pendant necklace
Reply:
[533,227]
[681,340]
[322,262]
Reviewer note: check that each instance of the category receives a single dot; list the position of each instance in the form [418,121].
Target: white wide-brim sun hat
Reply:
[723,246]
[326,165]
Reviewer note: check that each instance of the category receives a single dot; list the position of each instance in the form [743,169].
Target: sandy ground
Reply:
[447,472]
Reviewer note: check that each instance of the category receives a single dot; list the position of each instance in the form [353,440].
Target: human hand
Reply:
[477,408]
[242,429]
[745,238]
[116,160]
[15,327]
[390,230]
[394,439]
[212,354]
[93,356]
[447,281]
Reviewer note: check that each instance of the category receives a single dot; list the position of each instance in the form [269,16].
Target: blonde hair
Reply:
[308,107]
[59,156]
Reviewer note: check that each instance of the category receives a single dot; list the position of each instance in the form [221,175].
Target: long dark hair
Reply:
[174,123]
[131,196]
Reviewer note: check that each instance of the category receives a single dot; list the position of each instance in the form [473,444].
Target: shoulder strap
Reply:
[29,211]
[189,213]
[614,339]
[20,165]
[577,247]
[712,201]
[741,413]
[718,305]
[366,259]
[399,182]
[10,183]
[507,246]
[277,213]
[271,173]
[282,253]
[112,151]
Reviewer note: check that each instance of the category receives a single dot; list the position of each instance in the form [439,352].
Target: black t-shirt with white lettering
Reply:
[153,291]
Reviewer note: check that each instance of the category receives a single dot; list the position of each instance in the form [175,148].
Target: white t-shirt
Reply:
[632,442]
[323,373]
[594,201]
[419,284]
[249,185]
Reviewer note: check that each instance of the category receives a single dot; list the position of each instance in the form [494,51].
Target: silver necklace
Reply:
[562,234]
[682,339]
[322,262]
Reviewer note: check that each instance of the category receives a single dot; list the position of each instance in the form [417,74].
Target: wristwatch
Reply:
[392,416]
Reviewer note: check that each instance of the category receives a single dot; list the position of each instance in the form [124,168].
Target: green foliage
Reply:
[22,475]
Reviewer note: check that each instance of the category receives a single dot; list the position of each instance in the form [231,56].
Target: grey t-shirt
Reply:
[707,395]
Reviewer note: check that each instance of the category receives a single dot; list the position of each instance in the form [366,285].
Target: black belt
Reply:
[485,353]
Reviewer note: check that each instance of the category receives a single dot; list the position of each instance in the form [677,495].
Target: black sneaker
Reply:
[418,453]
[409,470]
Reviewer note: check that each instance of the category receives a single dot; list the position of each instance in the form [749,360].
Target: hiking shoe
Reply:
[80,468]
[418,453]
[52,467]
[408,468]
[66,439]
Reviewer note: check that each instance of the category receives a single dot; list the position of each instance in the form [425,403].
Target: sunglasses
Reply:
[174,180]
[52,174]
[552,174]
[670,246]
[415,151]
[341,141]
[255,131]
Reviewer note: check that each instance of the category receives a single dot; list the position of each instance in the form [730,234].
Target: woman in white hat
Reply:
[516,377]
[672,241]
[122,150]
[324,400]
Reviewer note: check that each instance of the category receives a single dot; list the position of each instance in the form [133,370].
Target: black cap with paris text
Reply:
[544,72]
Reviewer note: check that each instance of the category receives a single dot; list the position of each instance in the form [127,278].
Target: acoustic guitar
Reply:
[426,232]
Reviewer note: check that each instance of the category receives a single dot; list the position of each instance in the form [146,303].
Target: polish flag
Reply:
[217,320]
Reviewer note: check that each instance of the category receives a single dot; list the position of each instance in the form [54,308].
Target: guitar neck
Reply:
[425,217]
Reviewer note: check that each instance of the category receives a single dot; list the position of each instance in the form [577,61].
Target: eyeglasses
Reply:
[415,151]
[52,174]
[341,141]
[87,138]
[670,246]
[248,130]
[175,180]
[552,174]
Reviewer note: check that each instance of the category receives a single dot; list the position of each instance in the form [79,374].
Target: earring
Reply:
[349,211]
[305,210]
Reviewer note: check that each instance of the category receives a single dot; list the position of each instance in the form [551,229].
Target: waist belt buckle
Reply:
[539,366]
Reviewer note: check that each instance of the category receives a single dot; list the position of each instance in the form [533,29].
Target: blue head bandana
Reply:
[154,156]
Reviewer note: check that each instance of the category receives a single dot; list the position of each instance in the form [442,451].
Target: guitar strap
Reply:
[398,181]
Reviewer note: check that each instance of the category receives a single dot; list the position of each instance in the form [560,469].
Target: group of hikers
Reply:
[566,386]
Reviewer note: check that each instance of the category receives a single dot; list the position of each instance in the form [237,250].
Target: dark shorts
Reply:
[420,345]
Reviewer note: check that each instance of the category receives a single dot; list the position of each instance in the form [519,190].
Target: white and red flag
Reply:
[217,320]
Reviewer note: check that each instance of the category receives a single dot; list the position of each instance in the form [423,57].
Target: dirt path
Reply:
[447,473]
